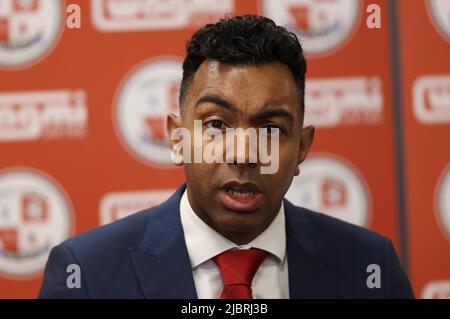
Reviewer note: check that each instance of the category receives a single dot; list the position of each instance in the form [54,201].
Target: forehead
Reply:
[244,85]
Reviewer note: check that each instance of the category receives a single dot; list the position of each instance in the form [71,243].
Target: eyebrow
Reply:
[215,99]
[273,113]
[218,100]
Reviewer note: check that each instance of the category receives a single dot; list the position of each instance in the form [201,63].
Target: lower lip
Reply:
[241,204]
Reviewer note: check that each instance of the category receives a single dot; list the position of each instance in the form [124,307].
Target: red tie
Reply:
[238,267]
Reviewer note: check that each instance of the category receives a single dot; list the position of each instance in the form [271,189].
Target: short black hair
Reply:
[244,40]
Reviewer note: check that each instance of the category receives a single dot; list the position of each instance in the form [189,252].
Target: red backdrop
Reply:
[425,65]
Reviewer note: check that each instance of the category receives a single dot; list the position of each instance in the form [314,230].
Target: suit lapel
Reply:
[310,262]
[161,261]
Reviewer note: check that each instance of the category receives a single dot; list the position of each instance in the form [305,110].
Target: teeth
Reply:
[239,193]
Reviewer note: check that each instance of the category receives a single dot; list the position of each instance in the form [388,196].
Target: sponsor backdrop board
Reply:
[82,116]
[425,52]
[349,101]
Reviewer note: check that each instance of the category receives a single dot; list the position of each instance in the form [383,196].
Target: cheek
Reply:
[287,162]
[289,154]
[200,176]
[195,172]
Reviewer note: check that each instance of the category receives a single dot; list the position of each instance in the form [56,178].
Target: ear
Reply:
[174,121]
[306,140]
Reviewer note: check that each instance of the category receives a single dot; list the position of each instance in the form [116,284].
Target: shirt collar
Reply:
[203,242]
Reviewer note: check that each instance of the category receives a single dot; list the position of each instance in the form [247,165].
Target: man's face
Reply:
[235,198]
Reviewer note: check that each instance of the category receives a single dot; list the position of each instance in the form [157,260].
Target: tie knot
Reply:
[239,266]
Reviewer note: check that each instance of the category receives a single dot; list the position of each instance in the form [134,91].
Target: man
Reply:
[228,232]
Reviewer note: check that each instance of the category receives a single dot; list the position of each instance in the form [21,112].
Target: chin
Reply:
[237,222]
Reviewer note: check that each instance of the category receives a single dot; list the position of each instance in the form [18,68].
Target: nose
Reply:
[243,165]
[243,151]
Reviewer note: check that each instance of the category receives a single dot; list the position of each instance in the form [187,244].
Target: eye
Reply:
[217,124]
[271,128]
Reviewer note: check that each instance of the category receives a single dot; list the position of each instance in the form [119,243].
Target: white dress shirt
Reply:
[203,243]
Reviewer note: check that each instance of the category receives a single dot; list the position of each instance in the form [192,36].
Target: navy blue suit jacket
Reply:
[145,256]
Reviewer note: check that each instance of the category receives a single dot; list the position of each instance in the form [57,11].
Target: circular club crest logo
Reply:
[145,98]
[443,201]
[322,26]
[439,12]
[331,186]
[35,215]
[28,30]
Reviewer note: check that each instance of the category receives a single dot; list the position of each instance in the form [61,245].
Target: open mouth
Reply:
[240,193]
[239,196]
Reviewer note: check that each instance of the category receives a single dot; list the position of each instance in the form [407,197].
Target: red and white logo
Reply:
[344,101]
[114,206]
[439,13]
[29,29]
[442,198]
[431,99]
[35,215]
[437,289]
[27,116]
[128,15]
[322,26]
[142,103]
[332,186]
